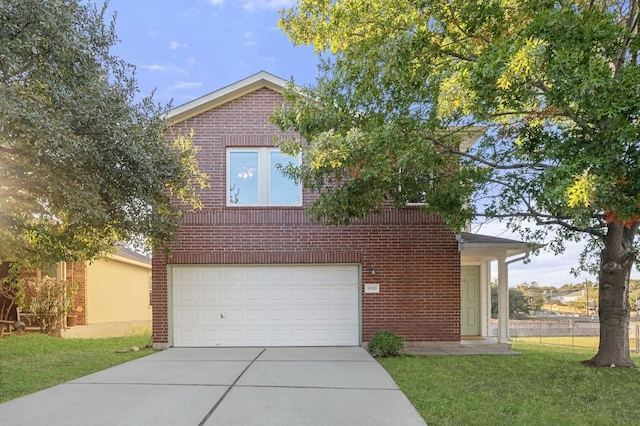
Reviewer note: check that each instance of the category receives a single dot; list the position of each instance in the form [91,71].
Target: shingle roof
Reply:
[484,245]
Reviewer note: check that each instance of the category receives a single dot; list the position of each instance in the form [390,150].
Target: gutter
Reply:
[518,259]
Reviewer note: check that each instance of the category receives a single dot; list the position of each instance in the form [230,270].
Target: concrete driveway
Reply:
[225,386]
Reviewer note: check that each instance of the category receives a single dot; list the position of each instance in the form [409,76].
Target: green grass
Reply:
[32,362]
[545,385]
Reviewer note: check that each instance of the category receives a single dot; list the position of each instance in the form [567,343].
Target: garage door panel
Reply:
[229,275]
[277,294]
[210,337]
[186,296]
[211,275]
[343,294]
[255,314]
[190,337]
[210,294]
[283,305]
[272,275]
[255,294]
[255,337]
[232,294]
[187,275]
[277,315]
[299,294]
[188,315]
[344,314]
[210,315]
[299,314]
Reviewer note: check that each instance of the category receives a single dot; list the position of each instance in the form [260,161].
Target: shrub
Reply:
[386,343]
[49,300]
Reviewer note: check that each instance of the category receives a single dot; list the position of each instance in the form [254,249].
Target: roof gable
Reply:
[225,94]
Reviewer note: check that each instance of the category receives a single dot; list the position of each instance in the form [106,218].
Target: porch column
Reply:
[503,301]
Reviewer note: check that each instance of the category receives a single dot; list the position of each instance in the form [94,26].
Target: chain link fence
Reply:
[579,332]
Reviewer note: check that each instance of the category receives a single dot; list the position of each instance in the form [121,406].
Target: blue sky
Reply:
[187,48]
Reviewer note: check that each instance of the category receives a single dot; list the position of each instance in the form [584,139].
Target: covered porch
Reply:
[477,252]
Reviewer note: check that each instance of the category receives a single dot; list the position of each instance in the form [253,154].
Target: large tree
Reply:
[552,85]
[83,163]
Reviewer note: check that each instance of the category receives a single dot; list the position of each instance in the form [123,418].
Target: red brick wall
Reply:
[77,274]
[414,256]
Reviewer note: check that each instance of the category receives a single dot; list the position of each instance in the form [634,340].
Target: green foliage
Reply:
[50,300]
[553,87]
[518,302]
[83,164]
[385,343]
[32,362]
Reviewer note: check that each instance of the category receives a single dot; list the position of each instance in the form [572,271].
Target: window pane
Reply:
[243,178]
[283,191]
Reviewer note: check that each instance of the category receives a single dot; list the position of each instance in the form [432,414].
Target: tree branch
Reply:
[496,166]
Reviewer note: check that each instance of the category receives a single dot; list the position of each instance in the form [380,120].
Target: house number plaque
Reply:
[372,288]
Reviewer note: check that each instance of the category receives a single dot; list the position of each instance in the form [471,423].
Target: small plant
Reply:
[385,343]
[49,300]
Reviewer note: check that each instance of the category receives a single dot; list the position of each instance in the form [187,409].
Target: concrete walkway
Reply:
[225,386]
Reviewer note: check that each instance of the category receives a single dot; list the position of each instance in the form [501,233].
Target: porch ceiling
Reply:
[486,247]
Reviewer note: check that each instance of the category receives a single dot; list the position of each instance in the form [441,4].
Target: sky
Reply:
[184,49]
[187,48]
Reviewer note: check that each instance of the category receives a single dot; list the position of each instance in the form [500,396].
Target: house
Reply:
[250,268]
[566,297]
[112,297]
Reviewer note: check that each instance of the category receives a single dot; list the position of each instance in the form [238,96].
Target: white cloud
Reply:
[250,43]
[164,68]
[175,45]
[154,67]
[216,2]
[253,5]
[186,85]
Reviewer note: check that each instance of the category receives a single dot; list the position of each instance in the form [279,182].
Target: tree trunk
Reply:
[617,259]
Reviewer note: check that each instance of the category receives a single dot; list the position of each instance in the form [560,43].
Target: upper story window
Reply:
[254,178]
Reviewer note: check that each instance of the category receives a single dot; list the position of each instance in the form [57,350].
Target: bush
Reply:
[385,343]
[49,300]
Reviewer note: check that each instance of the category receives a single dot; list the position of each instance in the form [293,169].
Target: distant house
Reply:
[113,296]
[251,269]
[564,298]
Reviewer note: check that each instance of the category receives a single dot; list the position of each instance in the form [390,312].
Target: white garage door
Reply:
[266,305]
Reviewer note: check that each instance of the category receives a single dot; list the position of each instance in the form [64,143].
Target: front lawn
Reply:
[32,362]
[545,385]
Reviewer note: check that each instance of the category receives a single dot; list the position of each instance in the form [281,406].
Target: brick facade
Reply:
[77,274]
[412,256]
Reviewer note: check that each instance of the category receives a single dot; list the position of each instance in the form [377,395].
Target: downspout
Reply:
[524,257]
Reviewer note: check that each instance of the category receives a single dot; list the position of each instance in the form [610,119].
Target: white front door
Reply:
[471,302]
[266,305]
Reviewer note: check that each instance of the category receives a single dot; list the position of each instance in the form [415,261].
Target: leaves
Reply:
[554,85]
[83,164]
[582,191]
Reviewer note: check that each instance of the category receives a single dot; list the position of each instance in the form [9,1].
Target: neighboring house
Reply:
[564,298]
[113,294]
[250,268]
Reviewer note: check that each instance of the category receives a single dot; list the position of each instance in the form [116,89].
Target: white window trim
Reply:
[264,168]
